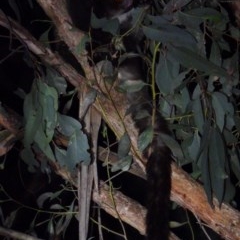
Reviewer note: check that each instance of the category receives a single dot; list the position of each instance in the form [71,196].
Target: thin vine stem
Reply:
[153,88]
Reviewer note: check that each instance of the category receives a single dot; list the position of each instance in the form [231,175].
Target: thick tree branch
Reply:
[185,191]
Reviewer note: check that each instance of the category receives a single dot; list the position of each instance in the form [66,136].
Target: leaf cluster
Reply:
[43,120]
[196,80]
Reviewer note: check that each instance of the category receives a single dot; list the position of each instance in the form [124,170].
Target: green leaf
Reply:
[55,80]
[175,4]
[61,155]
[68,125]
[48,100]
[124,146]
[204,166]
[43,143]
[174,224]
[207,131]
[173,145]
[205,13]
[235,164]
[185,148]
[123,164]
[191,59]
[44,38]
[198,114]
[188,20]
[222,107]
[165,108]
[145,138]
[166,72]
[185,99]
[168,34]
[78,150]
[217,159]
[215,55]
[43,198]
[194,148]
[106,24]
[105,68]
[81,46]
[33,116]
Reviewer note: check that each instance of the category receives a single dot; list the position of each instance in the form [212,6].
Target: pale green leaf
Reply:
[124,146]
[145,138]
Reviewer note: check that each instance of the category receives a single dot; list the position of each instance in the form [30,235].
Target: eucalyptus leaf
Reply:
[185,148]
[68,125]
[44,38]
[77,150]
[198,114]
[43,198]
[81,46]
[166,72]
[123,164]
[215,55]
[145,138]
[55,80]
[124,146]
[175,4]
[173,145]
[168,34]
[57,207]
[217,159]
[43,143]
[222,107]
[61,155]
[204,160]
[191,59]
[165,108]
[105,68]
[194,148]
[188,20]
[205,13]
[234,160]
[107,25]
[207,131]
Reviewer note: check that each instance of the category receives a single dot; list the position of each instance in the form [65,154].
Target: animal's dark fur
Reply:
[159,158]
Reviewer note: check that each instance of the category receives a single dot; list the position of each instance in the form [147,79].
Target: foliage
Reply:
[197,79]
[43,120]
